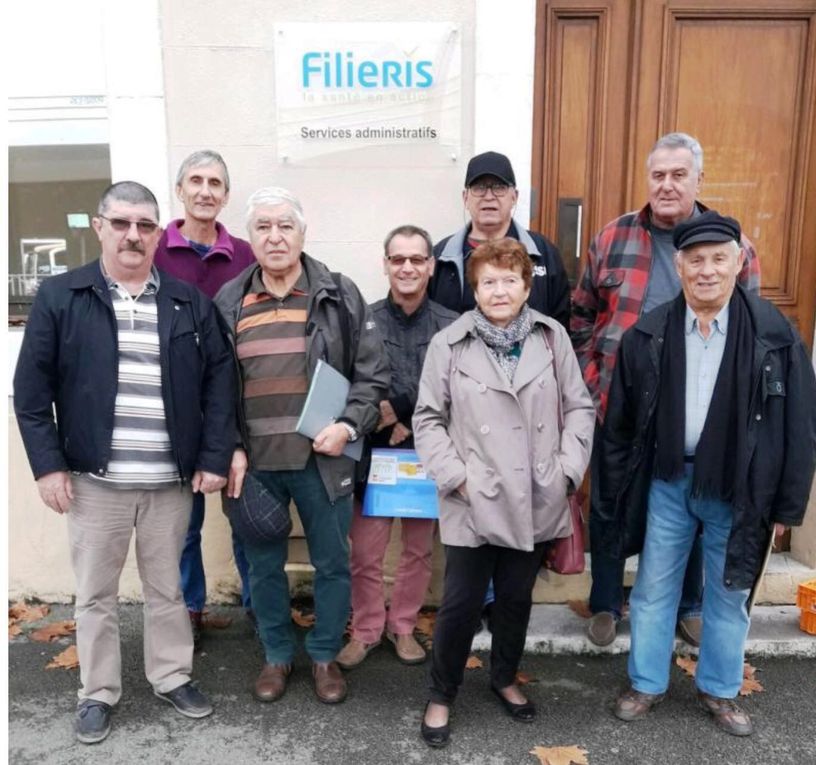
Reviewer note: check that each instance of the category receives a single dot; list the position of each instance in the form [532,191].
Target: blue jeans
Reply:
[326,525]
[607,572]
[673,519]
[193,579]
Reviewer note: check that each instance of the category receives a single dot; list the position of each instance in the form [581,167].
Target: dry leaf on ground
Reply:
[301,619]
[425,622]
[580,607]
[53,631]
[212,621]
[22,612]
[749,686]
[68,659]
[14,630]
[474,662]
[687,664]
[522,678]
[561,755]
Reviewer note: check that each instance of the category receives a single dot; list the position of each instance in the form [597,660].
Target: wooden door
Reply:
[612,76]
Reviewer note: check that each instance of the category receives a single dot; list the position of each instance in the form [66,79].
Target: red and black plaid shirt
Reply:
[610,294]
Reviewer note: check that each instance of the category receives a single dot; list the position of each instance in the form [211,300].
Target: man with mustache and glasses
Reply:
[630,271]
[199,250]
[142,380]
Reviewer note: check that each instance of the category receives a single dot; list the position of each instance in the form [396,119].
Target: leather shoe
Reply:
[409,651]
[691,629]
[271,683]
[634,705]
[354,652]
[435,737]
[603,628]
[726,714]
[330,685]
[525,712]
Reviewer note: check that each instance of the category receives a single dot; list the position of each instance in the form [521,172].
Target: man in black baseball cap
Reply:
[490,196]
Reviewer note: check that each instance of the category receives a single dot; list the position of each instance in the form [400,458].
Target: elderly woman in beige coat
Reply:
[503,424]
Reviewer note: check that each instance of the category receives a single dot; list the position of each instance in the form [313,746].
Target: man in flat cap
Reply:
[711,422]
[630,271]
[490,196]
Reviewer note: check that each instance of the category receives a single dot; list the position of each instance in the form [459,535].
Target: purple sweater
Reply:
[228,257]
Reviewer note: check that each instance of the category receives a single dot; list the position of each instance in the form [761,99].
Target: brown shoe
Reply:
[330,685]
[691,629]
[407,648]
[726,714]
[354,652]
[271,683]
[603,628]
[634,705]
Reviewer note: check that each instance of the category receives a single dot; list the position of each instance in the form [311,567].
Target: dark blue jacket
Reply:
[69,358]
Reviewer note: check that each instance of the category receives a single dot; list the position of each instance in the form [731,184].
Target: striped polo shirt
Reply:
[271,348]
[141,452]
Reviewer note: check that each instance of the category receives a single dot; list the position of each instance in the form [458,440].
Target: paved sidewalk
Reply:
[378,724]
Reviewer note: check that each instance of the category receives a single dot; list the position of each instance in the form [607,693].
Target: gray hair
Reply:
[199,159]
[680,141]
[409,230]
[127,191]
[272,196]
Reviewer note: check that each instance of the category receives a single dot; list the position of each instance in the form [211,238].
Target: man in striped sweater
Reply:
[142,380]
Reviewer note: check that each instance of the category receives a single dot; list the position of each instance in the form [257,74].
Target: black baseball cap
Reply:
[707,228]
[490,163]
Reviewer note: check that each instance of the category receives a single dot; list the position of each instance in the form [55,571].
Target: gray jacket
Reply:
[513,445]
[369,374]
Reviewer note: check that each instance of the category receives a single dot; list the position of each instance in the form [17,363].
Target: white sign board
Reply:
[342,86]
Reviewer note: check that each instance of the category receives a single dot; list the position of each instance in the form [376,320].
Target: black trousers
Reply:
[467,573]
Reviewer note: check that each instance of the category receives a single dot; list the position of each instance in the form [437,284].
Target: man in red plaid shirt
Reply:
[630,271]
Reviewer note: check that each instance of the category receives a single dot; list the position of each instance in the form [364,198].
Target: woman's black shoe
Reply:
[525,712]
[435,737]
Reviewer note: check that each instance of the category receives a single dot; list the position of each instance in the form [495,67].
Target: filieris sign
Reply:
[345,86]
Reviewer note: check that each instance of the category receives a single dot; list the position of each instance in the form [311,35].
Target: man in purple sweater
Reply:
[200,250]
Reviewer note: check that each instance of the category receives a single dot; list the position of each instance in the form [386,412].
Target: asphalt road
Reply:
[379,723]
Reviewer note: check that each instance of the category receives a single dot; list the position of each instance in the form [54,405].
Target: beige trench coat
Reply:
[513,445]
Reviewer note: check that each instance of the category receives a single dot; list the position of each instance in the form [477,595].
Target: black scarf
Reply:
[722,447]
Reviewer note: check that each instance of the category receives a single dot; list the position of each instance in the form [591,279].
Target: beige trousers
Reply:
[100,524]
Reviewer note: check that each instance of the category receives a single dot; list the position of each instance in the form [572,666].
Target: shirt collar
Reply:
[719,323]
[153,279]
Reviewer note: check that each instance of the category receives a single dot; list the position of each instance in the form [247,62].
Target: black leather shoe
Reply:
[435,737]
[525,712]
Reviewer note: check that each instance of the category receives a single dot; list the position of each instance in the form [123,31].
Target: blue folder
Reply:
[397,486]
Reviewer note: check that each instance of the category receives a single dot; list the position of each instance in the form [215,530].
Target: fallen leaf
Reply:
[561,755]
[474,662]
[522,678]
[580,607]
[425,622]
[749,686]
[748,670]
[14,630]
[68,659]
[687,664]
[211,621]
[53,631]
[22,612]
[302,620]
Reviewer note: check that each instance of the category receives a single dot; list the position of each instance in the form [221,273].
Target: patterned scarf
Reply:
[504,343]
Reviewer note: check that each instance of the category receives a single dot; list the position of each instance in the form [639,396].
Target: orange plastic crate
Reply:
[806,600]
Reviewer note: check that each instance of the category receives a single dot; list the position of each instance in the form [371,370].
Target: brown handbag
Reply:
[566,554]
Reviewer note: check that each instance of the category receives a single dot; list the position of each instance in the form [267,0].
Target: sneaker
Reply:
[726,714]
[92,721]
[634,705]
[409,651]
[354,652]
[691,629]
[603,628]
[187,700]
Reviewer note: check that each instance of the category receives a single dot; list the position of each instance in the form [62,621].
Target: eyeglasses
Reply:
[480,189]
[122,225]
[398,261]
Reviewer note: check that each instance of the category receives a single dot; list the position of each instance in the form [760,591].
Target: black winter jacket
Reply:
[69,358]
[550,292]
[781,440]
